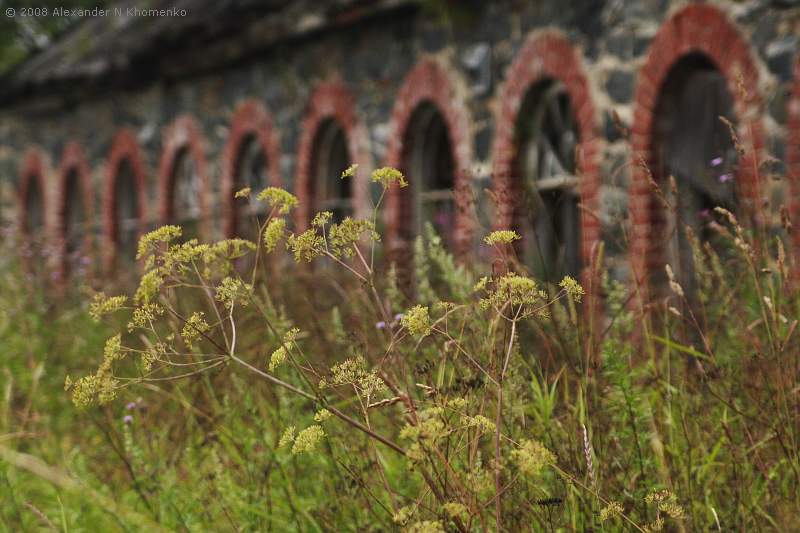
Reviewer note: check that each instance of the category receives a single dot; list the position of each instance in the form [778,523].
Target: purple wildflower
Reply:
[704,213]
[130,406]
[128,419]
[398,316]
[725,178]
[381,325]
[717,161]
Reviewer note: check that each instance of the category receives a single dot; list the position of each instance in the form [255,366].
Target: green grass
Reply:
[700,400]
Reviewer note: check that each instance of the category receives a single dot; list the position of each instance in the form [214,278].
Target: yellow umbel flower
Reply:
[102,305]
[531,457]
[388,175]
[610,511]
[350,171]
[426,526]
[150,241]
[233,290]
[322,415]
[306,246]
[572,288]
[194,327]
[343,236]
[417,321]
[287,437]
[279,199]
[307,440]
[321,219]
[273,233]
[501,237]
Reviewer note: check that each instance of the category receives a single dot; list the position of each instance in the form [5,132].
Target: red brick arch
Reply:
[548,56]
[123,147]
[73,158]
[430,82]
[184,133]
[793,162]
[332,100]
[35,167]
[250,118]
[704,30]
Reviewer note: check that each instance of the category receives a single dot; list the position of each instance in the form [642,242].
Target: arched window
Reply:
[330,157]
[33,221]
[251,158]
[428,165]
[692,144]
[546,213]
[686,83]
[182,179]
[431,143]
[126,223]
[76,224]
[184,194]
[251,170]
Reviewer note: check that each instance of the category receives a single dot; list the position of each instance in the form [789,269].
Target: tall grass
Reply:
[332,397]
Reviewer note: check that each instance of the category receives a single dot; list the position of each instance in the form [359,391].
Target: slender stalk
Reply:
[339,414]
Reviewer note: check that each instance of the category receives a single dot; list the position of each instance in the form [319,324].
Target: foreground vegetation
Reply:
[342,397]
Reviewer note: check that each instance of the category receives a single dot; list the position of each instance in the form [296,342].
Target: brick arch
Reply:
[793,162]
[73,158]
[430,82]
[704,30]
[548,56]
[332,100]
[123,147]
[184,133]
[250,119]
[35,167]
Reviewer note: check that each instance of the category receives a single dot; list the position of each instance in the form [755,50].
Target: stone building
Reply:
[535,115]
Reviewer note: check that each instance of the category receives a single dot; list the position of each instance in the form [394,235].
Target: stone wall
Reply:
[475,62]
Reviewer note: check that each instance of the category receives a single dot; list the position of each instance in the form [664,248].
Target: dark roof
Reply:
[125,49]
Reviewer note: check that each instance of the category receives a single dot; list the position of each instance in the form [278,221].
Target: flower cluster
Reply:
[501,237]
[572,288]
[144,315]
[610,511]
[281,353]
[101,386]
[531,457]
[483,424]
[666,502]
[306,246]
[322,415]
[194,327]
[417,321]
[149,286]
[342,237]
[353,372]
[307,440]
[321,219]
[388,175]
[233,290]
[273,233]
[287,437]
[426,526]
[520,292]
[350,171]
[151,241]
[279,199]
[103,305]
[454,509]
